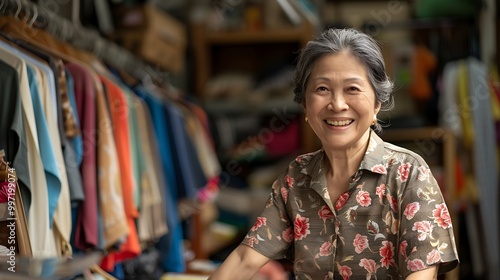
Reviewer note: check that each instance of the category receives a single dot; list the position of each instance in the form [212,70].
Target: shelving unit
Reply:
[219,51]
[205,41]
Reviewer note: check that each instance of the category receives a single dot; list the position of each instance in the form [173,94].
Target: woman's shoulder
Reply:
[304,164]
[414,157]
[307,159]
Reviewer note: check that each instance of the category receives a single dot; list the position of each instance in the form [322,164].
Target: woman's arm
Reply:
[243,263]
[426,274]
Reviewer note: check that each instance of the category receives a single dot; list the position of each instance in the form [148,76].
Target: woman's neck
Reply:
[344,163]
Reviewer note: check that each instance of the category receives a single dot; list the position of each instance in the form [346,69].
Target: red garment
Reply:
[7,190]
[119,117]
[284,142]
[86,235]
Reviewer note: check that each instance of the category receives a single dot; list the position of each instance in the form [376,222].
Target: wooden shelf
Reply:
[204,40]
[241,50]
[255,37]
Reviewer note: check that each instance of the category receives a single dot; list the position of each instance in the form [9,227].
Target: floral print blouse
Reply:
[391,222]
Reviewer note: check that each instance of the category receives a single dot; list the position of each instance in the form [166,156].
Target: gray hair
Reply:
[358,44]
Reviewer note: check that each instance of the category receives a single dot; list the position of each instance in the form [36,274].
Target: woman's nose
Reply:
[338,104]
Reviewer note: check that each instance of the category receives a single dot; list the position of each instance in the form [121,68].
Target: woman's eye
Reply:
[353,89]
[321,89]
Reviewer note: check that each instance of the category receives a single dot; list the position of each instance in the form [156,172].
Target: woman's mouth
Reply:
[339,123]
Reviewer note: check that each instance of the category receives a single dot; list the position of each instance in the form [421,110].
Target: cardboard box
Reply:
[153,35]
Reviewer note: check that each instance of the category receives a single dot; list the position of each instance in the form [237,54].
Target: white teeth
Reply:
[339,123]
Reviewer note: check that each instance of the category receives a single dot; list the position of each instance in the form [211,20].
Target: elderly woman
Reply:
[358,208]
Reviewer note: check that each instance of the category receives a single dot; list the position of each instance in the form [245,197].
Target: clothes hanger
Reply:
[77,38]
[34,18]
[26,14]
[2,6]
[19,8]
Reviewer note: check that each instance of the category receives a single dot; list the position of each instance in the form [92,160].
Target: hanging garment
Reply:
[71,128]
[86,235]
[10,193]
[136,155]
[485,161]
[73,152]
[12,129]
[448,108]
[44,98]
[43,244]
[424,63]
[201,140]
[114,221]
[186,164]
[61,214]
[170,246]
[55,82]
[119,117]
[152,221]
[58,190]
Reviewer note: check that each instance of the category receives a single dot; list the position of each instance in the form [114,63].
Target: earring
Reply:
[306,119]
[374,120]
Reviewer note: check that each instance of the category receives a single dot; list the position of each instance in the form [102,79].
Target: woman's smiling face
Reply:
[340,102]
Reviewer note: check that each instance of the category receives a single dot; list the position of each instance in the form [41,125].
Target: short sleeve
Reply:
[272,234]
[425,224]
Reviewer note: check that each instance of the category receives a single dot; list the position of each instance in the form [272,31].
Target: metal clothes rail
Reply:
[82,38]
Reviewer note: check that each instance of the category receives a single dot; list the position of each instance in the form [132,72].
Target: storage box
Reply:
[153,35]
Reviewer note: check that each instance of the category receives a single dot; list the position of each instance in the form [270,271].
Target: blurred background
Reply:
[235,60]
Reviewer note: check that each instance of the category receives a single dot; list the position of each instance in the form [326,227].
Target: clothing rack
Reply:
[82,38]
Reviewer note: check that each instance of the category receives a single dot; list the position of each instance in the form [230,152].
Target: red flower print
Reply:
[344,271]
[442,216]
[415,265]
[404,172]
[393,202]
[325,249]
[387,254]
[287,235]
[301,227]
[402,249]
[252,240]
[284,194]
[433,257]
[411,209]
[380,191]
[370,266]
[325,213]
[363,198]
[289,181]
[342,200]
[424,228]
[299,158]
[379,168]
[360,243]
[423,173]
[261,221]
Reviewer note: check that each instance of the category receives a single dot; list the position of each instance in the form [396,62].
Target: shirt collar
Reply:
[313,164]
[375,159]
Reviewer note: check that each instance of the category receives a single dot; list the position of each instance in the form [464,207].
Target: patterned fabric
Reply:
[70,127]
[392,220]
